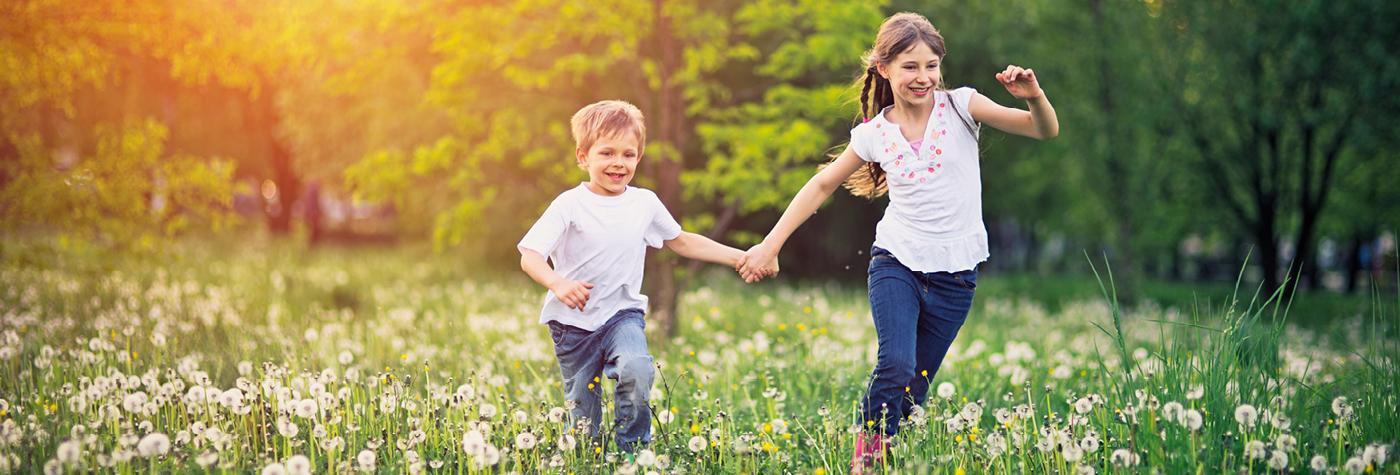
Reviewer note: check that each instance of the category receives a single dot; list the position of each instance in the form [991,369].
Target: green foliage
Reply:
[127,192]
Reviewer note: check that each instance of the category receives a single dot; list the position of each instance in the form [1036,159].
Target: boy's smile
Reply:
[611,163]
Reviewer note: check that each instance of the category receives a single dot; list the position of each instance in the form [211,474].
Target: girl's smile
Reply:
[913,74]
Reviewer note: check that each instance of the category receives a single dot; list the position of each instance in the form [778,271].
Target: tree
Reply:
[121,185]
[1272,94]
[508,91]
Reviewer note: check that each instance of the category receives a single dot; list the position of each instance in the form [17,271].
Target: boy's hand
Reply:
[760,261]
[1020,82]
[574,293]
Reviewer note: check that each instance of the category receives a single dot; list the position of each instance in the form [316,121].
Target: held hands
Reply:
[1020,82]
[574,293]
[760,261]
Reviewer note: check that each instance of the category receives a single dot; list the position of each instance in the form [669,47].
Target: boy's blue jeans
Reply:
[617,350]
[917,315]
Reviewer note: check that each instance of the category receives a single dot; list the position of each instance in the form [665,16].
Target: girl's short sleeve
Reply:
[962,98]
[861,142]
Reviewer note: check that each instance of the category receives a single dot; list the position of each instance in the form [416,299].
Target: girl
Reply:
[918,142]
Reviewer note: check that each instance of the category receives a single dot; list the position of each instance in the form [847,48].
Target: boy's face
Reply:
[611,162]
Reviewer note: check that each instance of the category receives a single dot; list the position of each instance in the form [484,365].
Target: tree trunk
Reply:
[1353,266]
[669,115]
[1117,166]
[1267,251]
[267,125]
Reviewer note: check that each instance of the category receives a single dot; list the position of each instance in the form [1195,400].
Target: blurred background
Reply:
[1203,143]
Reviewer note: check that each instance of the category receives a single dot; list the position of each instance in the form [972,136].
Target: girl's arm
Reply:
[1037,123]
[694,246]
[762,259]
[574,293]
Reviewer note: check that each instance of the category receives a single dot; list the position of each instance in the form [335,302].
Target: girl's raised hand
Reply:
[1020,82]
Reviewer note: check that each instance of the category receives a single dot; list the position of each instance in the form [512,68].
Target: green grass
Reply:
[388,341]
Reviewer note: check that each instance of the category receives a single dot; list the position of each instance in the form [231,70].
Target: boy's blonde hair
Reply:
[607,119]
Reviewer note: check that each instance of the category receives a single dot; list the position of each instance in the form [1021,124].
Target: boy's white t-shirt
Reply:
[934,219]
[601,240]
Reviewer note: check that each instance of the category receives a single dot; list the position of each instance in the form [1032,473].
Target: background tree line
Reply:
[1194,132]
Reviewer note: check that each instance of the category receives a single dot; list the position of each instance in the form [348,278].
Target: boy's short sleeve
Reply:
[860,142]
[544,236]
[663,226]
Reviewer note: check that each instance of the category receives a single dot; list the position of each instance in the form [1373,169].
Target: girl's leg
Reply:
[894,304]
[946,299]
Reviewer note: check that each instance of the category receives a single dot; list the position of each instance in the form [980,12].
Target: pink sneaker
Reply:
[869,453]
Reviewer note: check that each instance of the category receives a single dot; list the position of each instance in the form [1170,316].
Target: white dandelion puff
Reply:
[946,390]
[299,465]
[365,460]
[154,444]
[69,452]
[1246,415]
[567,442]
[1083,405]
[696,444]
[1192,419]
[1318,463]
[1255,450]
[1354,466]
[1278,460]
[1123,458]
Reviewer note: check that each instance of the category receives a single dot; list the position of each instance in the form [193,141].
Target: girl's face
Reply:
[913,75]
[611,163]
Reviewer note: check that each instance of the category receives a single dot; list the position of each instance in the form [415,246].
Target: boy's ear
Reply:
[580,155]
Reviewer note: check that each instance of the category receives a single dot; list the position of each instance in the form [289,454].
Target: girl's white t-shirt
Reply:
[934,219]
[601,240]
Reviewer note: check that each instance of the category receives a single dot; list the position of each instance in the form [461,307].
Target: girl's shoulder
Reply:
[962,94]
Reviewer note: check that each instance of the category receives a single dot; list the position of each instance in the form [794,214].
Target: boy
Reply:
[597,234]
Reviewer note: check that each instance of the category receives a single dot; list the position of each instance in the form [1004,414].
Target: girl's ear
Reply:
[880,68]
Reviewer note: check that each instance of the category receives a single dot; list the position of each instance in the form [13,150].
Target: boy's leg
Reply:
[580,363]
[629,363]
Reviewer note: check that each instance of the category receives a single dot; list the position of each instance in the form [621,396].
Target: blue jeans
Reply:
[617,350]
[917,315]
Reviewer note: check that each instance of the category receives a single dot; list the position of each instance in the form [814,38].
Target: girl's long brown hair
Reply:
[898,34]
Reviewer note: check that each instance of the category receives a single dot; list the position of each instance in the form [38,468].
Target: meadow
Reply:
[272,359]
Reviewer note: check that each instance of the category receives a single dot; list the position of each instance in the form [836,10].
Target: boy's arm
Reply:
[694,246]
[574,293]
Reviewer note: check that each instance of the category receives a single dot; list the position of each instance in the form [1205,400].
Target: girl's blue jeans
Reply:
[917,315]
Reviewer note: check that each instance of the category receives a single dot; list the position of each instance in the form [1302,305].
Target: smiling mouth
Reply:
[919,91]
[615,176]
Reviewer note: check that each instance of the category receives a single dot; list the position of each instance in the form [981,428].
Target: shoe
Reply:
[869,453]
